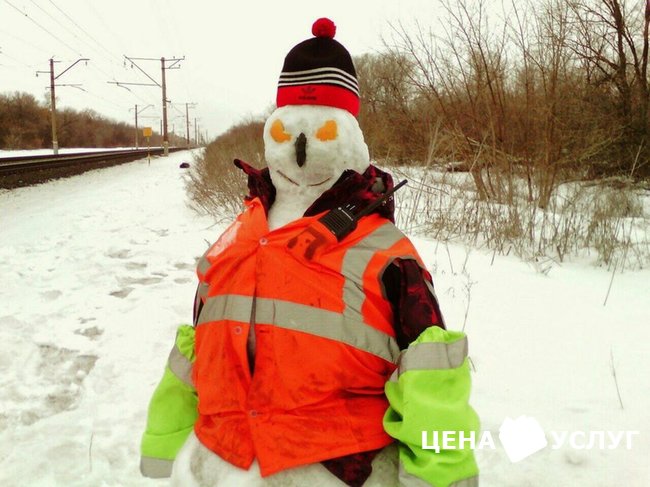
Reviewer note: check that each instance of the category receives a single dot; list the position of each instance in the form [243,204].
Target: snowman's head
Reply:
[308,147]
[313,136]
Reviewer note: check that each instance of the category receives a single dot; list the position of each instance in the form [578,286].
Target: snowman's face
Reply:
[308,147]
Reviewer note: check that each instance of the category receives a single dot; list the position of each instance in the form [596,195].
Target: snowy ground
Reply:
[97,271]
[66,150]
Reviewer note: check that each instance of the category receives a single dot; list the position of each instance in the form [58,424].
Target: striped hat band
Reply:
[325,76]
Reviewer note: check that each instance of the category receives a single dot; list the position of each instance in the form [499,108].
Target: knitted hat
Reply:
[319,71]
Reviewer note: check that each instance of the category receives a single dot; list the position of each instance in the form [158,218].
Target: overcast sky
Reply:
[233,50]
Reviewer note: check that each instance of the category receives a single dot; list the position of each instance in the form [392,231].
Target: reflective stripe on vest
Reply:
[356,261]
[427,356]
[303,318]
[409,480]
[156,468]
[233,307]
[330,303]
[346,328]
[203,265]
[203,290]
[468,482]
[180,366]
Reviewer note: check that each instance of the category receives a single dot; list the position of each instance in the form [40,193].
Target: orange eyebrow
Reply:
[278,133]
[329,131]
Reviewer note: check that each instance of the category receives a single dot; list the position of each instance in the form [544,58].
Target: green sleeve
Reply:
[172,409]
[429,392]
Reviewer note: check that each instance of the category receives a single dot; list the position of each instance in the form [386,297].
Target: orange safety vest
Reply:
[325,343]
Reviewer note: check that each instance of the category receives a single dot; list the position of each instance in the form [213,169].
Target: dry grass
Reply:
[215,185]
[604,221]
[608,224]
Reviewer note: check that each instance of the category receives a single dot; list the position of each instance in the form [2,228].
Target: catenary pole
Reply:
[53,78]
[187,123]
[136,126]
[164,104]
[55,142]
[165,64]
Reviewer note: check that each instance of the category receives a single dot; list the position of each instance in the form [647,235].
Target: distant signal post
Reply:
[147,132]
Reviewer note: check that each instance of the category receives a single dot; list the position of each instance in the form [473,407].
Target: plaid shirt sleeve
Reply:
[409,289]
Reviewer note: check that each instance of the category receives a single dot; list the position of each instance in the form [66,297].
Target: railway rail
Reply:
[30,169]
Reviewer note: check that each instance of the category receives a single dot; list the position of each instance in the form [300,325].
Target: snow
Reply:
[98,271]
[67,150]
[326,159]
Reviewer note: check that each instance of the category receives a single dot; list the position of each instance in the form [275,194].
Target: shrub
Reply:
[215,185]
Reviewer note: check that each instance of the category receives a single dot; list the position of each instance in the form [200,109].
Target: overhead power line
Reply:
[186,115]
[59,23]
[41,27]
[26,42]
[165,65]
[90,36]
[54,19]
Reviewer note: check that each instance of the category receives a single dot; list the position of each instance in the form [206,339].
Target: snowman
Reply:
[319,354]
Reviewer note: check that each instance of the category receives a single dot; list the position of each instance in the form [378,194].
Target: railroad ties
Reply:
[24,170]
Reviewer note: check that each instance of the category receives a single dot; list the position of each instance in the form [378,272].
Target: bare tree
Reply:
[389,115]
[611,39]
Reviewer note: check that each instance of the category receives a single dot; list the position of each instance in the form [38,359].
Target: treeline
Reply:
[26,124]
[544,89]
[539,93]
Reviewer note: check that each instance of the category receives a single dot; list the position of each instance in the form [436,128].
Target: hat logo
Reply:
[308,94]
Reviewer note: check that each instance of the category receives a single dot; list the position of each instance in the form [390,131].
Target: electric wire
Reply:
[102,59]
[41,27]
[28,43]
[91,37]
[96,66]
[176,41]
[111,56]
[113,59]
[20,64]
[55,20]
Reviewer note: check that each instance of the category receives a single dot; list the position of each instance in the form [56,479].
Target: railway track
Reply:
[24,170]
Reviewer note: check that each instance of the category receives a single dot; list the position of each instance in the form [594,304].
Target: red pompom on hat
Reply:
[324,27]
[319,71]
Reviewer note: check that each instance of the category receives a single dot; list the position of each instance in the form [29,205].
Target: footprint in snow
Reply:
[51,295]
[161,232]
[128,282]
[574,458]
[119,254]
[92,332]
[122,293]
[139,242]
[56,386]
[143,281]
